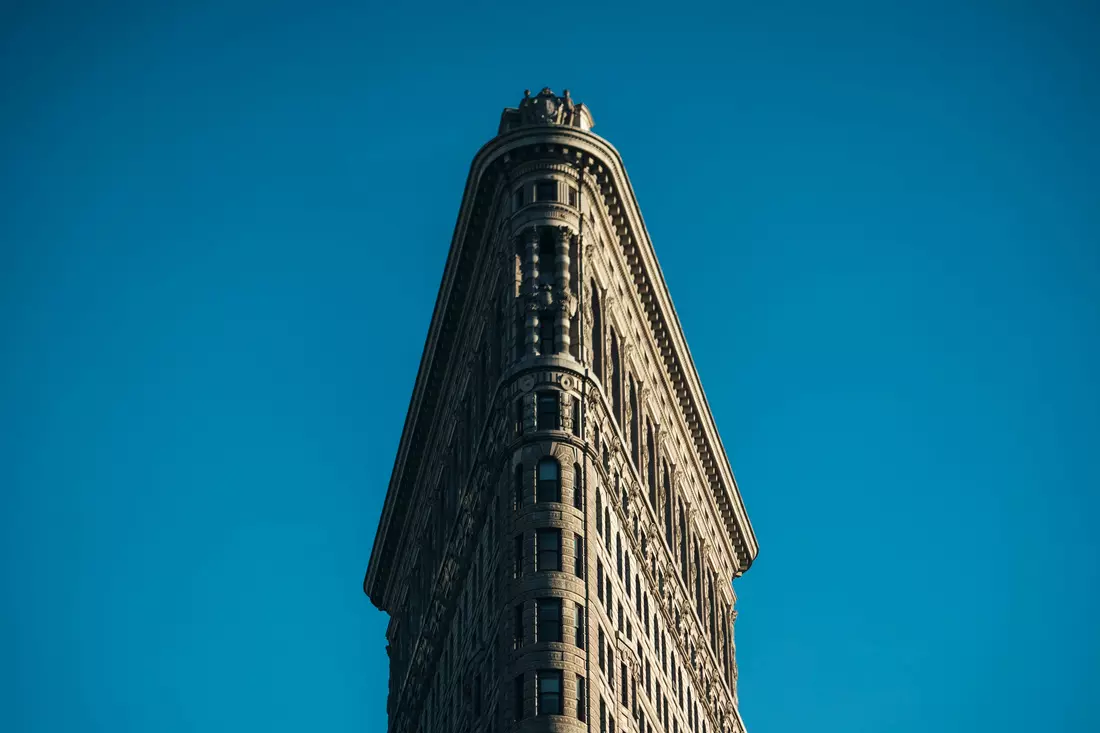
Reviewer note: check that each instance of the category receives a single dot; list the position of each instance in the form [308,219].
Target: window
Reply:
[577,418]
[517,496]
[549,692]
[517,199]
[599,579]
[619,554]
[548,549]
[546,191]
[548,623]
[546,333]
[578,555]
[572,196]
[603,716]
[599,511]
[549,480]
[582,699]
[578,488]
[517,698]
[517,556]
[625,690]
[601,650]
[580,619]
[519,415]
[548,411]
[517,626]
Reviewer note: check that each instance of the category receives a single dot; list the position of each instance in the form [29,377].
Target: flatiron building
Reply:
[562,527]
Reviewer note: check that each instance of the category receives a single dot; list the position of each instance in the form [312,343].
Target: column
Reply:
[531,277]
[561,278]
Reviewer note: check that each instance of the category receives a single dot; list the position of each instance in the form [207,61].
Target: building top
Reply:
[545,108]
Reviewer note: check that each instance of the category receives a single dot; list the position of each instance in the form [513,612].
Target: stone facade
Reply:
[562,526]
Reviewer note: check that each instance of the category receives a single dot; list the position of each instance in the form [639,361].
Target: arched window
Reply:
[616,379]
[517,489]
[549,480]
[597,332]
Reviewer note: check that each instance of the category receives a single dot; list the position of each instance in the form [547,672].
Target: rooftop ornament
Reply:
[546,108]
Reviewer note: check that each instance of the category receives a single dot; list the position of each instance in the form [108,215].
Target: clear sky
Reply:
[222,229]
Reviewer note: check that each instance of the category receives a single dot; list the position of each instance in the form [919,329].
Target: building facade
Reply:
[562,527]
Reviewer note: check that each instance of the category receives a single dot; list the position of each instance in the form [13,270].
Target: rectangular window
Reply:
[517,698]
[519,416]
[517,199]
[549,417]
[625,688]
[580,620]
[517,556]
[578,487]
[577,418]
[572,196]
[546,191]
[582,699]
[549,692]
[546,333]
[517,626]
[548,484]
[548,548]
[599,579]
[603,716]
[610,666]
[578,556]
[601,644]
[548,613]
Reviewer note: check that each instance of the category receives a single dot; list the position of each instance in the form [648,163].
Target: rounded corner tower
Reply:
[562,525]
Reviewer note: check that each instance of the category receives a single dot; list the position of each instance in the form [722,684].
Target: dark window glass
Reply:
[549,483]
[517,626]
[548,411]
[517,556]
[582,699]
[572,196]
[549,619]
[577,418]
[549,700]
[549,549]
[578,556]
[602,647]
[578,487]
[546,191]
[517,198]
[517,496]
[580,619]
[519,415]
[517,698]
[546,333]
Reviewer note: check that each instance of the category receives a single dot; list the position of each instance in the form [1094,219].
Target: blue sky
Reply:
[222,232]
